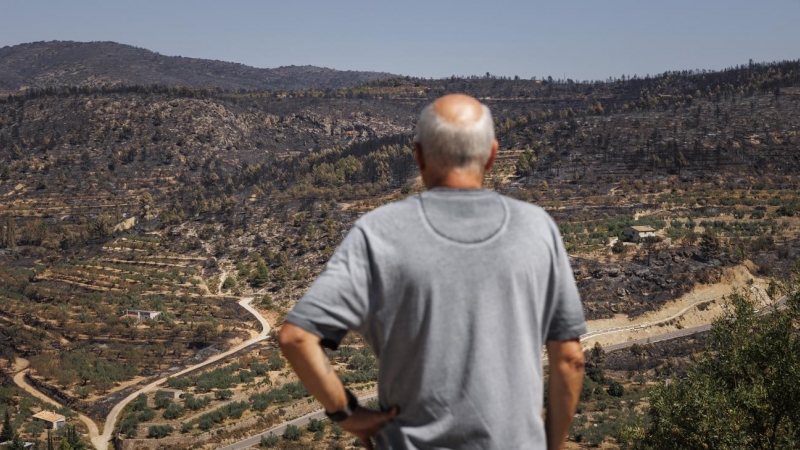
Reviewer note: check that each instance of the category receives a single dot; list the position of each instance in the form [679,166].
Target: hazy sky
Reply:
[589,39]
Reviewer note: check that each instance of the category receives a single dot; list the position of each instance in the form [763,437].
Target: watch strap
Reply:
[347,411]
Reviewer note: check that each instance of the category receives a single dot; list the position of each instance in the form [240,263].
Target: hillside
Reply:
[57,63]
[185,200]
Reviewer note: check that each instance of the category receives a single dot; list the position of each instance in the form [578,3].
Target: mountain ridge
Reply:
[70,63]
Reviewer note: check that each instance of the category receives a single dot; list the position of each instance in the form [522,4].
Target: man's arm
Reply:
[311,364]
[309,361]
[566,380]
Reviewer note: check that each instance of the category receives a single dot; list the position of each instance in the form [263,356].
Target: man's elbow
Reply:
[576,361]
[291,337]
[569,355]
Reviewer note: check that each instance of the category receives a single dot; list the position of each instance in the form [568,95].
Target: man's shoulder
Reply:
[394,213]
[527,211]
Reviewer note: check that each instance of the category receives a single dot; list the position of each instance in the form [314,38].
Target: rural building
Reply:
[140,314]
[170,393]
[54,421]
[639,232]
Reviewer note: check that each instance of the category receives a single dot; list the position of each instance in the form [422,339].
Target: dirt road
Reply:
[100,441]
[616,339]
[621,344]
[21,367]
[641,326]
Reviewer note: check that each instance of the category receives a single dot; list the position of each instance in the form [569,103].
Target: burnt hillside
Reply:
[181,199]
[197,150]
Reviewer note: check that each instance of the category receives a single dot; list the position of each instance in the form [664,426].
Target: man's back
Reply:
[456,291]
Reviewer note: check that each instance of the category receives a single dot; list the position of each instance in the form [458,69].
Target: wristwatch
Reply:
[347,411]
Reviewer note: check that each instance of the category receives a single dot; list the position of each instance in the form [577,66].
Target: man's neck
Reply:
[458,180]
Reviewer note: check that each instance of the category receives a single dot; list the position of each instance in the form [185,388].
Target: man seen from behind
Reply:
[456,289]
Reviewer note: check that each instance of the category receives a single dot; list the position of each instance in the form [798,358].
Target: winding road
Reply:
[278,430]
[756,290]
[642,326]
[19,379]
[302,421]
[100,441]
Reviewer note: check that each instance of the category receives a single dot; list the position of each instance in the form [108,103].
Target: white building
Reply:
[141,314]
[170,393]
[639,232]
[54,421]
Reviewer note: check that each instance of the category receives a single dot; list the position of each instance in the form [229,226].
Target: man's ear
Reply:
[492,156]
[419,157]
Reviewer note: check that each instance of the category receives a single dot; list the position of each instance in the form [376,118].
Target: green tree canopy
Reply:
[292,433]
[744,392]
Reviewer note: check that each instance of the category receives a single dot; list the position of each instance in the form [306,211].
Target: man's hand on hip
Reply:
[365,423]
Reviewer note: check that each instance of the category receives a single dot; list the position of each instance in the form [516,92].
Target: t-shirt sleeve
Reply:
[567,321]
[338,301]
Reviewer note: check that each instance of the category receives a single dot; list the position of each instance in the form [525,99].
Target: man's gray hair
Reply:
[453,146]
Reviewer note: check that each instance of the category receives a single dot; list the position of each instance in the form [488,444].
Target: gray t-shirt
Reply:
[456,291]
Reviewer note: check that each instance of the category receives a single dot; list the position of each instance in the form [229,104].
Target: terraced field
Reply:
[82,343]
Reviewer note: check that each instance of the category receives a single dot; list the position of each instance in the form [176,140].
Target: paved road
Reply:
[302,421]
[658,338]
[253,441]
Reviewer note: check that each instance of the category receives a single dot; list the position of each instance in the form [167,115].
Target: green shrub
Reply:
[615,389]
[260,369]
[595,374]
[147,415]
[316,425]
[296,390]
[223,394]
[269,441]
[178,383]
[228,283]
[205,423]
[139,403]
[173,411]
[128,425]
[292,433]
[159,431]
[276,363]
[162,400]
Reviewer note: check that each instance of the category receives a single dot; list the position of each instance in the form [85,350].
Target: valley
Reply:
[154,236]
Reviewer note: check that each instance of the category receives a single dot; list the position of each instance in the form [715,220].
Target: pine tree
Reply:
[261,276]
[7,433]
[64,444]
[16,443]
[74,439]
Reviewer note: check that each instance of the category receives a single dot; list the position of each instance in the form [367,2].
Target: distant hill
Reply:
[60,63]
